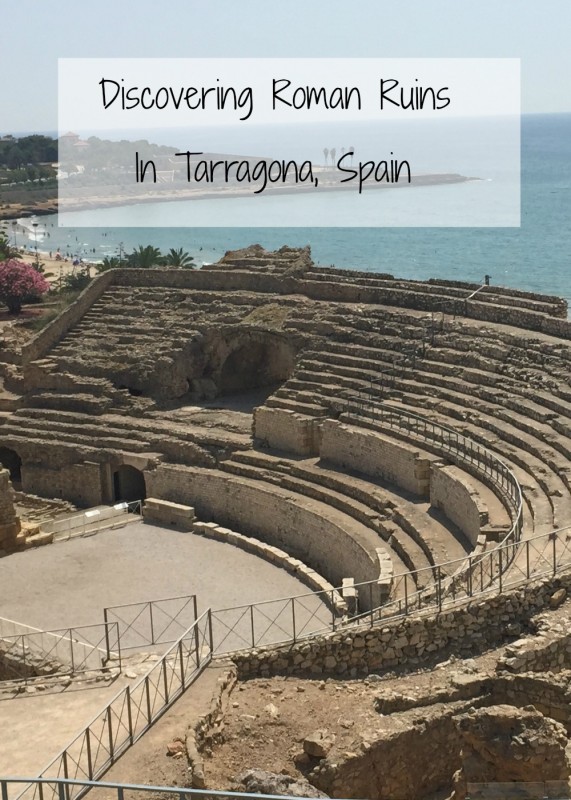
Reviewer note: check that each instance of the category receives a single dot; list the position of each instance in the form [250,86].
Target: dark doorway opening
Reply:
[132,391]
[256,364]
[128,484]
[11,461]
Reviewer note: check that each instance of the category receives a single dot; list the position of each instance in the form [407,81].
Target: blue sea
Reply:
[535,256]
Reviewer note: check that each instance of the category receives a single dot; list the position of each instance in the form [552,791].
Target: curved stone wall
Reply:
[334,545]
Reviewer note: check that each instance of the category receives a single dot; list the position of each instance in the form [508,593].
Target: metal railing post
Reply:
[119,646]
[89,755]
[107,645]
[4,789]
[129,713]
[252,625]
[181,664]
[293,619]
[148,694]
[64,788]
[71,653]
[24,660]
[197,644]
[210,636]
[554,538]
[371,603]
[165,682]
[151,621]
[110,733]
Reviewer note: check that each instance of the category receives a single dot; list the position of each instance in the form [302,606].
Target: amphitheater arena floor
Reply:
[69,583]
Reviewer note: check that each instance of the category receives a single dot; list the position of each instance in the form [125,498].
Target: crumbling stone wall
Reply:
[411,640]
[428,740]
[11,535]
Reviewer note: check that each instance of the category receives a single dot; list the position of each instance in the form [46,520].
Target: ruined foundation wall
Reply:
[384,770]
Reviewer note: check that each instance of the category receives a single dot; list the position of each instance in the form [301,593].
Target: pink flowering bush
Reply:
[18,282]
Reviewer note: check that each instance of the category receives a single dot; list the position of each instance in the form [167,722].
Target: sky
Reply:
[536,31]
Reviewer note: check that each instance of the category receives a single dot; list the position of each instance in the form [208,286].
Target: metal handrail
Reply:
[501,467]
[63,785]
[69,648]
[125,719]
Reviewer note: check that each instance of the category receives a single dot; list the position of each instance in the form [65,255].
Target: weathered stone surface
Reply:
[502,744]
[176,748]
[557,598]
[319,743]
[257,781]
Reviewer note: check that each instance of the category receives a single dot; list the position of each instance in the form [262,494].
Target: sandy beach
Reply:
[54,269]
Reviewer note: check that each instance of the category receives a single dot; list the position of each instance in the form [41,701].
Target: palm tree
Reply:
[6,250]
[179,258]
[326,154]
[332,153]
[108,263]
[145,257]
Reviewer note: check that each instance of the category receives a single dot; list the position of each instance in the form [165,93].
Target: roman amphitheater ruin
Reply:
[402,447]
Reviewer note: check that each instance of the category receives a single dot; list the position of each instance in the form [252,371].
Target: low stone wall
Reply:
[376,455]
[466,630]
[315,535]
[550,650]
[208,728]
[278,557]
[175,515]
[286,430]
[452,493]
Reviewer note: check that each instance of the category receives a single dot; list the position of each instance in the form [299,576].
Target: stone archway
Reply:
[128,484]
[11,461]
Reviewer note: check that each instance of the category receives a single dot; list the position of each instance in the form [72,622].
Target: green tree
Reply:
[15,157]
[20,283]
[145,257]
[6,249]
[75,283]
[107,263]
[179,258]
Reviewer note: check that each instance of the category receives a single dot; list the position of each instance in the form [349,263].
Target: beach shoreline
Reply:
[55,205]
